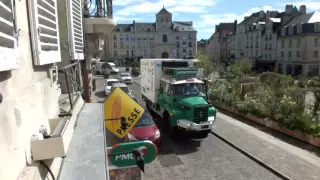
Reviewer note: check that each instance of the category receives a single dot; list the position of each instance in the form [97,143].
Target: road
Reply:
[216,160]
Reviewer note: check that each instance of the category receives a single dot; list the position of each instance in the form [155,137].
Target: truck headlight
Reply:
[211,119]
[157,134]
[131,137]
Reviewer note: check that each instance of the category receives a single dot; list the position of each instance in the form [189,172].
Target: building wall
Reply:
[149,44]
[29,101]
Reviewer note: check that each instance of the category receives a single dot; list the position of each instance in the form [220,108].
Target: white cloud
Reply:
[311,5]
[121,18]
[210,20]
[145,6]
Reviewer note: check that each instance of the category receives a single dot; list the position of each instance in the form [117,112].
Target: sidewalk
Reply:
[290,160]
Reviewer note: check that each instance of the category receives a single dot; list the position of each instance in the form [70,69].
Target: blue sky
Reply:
[205,14]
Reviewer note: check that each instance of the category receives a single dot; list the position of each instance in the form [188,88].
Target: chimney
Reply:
[235,25]
[261,14]
[289,8]
[303,9]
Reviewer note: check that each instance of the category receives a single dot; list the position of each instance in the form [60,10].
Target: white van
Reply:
[111,68]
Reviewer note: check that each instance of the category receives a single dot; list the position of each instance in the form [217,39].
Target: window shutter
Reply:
[44,31]
[8,43]
[75,29]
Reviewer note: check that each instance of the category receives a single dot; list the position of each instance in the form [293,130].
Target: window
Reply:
[190,36]
[291,30]
[289,54]
[280,68]
[8,43]
[164,38]
[121,44]
[282,54]
[313,70]
[115,44]
[290,43]
[145,52]
[190,44]
[190,52]
[177,37]
[115,53]
[257,44]
[167,20]
[298,54]
[282,44]
[298,42]
[75,29]
[283,31]
[315,54]
[316,41]
[44,31]
[121,36]
[114,37]
[184,43]
[256,52]
[184,50]
[178,44]
[299,28]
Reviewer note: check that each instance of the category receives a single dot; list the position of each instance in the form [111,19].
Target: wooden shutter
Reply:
[75,29]
[8,43]
[44,31]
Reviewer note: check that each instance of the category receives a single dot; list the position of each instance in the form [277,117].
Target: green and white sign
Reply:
[121,155]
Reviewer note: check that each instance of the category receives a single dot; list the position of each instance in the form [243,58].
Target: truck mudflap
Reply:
[191,126]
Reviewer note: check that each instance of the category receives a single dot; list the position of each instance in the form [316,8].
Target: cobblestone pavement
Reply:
[214,159]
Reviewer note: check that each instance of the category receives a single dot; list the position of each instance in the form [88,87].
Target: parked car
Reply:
[104,67]
[145,129]
[108,84]
[124,88]
[125,77]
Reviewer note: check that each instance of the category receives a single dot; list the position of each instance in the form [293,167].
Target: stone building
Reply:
[163,39]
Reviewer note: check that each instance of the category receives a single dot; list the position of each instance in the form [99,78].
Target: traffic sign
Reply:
[118,104]
[121,155]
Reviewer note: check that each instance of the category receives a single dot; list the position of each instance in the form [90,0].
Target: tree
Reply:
[241,68]
[206,63]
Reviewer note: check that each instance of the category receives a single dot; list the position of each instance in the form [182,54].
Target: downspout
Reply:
[85,68]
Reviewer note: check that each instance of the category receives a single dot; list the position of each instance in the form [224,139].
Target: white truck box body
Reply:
[151,74]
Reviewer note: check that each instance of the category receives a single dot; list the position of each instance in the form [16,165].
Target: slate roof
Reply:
[163,11]
[183,26]
[305,18]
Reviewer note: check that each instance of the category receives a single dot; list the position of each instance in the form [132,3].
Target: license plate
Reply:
[204,126]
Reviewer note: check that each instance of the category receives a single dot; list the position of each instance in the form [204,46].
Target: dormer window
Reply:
[317,27]
[120,29]
[283,31]
[291,29]
[299,28]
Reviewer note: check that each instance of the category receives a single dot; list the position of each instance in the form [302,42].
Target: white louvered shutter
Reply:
[75,29]
[8,43]
[44,31]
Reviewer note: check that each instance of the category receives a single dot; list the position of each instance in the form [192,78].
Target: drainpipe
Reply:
[85,68]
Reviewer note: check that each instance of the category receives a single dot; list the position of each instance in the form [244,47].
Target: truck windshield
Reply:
[188,89]
[109,83]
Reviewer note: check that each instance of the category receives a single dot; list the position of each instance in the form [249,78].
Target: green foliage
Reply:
[241,68]
[302,82]
[206,63]
[280,100]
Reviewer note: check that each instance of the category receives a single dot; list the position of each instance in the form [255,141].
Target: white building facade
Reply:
[163,39]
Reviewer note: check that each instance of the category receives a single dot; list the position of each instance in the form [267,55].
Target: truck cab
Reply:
[183,96]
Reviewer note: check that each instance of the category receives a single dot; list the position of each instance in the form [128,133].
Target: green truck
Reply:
[171,89]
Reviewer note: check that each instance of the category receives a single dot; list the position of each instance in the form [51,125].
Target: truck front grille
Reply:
[201,114]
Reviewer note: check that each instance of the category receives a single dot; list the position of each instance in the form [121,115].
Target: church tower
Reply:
[163,18]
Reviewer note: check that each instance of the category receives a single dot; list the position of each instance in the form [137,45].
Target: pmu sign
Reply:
[121,154]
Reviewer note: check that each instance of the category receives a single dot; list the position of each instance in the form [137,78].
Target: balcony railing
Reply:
[72,89]
[103,10]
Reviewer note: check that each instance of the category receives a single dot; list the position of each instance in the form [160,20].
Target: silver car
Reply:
[125,77]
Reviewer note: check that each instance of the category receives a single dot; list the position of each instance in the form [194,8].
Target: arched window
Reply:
[164,38]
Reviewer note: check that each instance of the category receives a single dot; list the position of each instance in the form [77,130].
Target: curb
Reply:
[252,157]
[137,83]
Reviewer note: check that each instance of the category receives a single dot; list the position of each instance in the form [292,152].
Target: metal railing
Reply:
[73,80]
[100,8]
